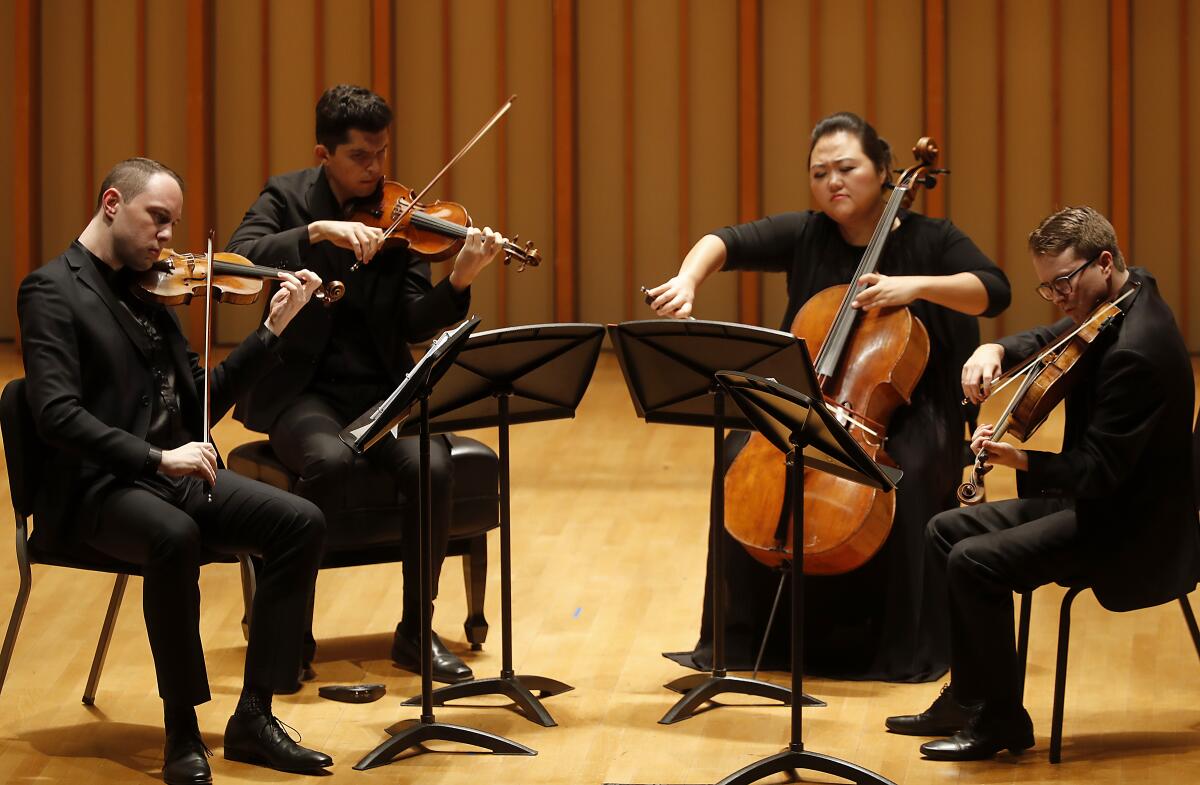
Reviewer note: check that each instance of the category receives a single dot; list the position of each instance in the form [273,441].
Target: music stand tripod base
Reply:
[700,688]
[793,760]
[415,733]
[519,689]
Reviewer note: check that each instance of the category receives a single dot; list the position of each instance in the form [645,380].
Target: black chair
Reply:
[1060,667]
[367,537]
[24,454]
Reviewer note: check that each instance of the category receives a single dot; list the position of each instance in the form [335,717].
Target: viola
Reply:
[435,231]
[1047,377]
[178,277]
[868,364]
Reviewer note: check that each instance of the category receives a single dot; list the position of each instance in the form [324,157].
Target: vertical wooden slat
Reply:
[566,298]
[1056,130]
[199,204]
[872,65]
[27,134]
[448,148]
[814,62]
[750,144]
[502,223]
[935,94]
[381,49]
[685,143]
[1185,166]
[89,104]
[628,168]
[139,77]
[1001,156]
[318,53]
[1120,119]
[264,53]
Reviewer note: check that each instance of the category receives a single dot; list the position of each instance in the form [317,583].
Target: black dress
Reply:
[885,620]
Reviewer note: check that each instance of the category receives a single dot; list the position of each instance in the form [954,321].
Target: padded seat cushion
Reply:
[372,520]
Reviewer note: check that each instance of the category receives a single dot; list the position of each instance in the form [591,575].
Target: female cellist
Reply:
[886,619]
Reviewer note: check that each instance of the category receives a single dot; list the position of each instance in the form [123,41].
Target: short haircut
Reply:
[345,106]
[130,176]
[874,147]
[1080,228]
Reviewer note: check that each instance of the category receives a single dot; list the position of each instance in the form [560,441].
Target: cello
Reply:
[868,365]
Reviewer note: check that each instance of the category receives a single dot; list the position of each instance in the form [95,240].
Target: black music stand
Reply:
[802,428]
[362,434]
[669,366]
[515,375]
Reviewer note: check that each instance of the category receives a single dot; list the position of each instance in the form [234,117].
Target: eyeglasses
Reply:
[1062,285]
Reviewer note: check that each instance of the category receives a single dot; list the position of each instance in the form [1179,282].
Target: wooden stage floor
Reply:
[609,545]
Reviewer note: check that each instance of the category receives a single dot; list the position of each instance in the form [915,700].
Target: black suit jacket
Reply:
[89,385]
[1127,455]
[404,306]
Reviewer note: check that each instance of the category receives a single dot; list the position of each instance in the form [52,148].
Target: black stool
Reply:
[363,536]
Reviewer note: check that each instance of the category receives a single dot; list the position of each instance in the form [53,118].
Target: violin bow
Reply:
[1028,365]
[208,299]
[470,143]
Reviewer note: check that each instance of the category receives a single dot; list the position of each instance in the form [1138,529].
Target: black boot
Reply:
[944,717]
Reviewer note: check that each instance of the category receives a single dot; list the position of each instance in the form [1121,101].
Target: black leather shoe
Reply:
[944,717]
[983,737]
[448,668]
[185,760]
[260,739]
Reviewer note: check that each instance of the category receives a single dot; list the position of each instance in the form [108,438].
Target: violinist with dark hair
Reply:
[1114,510]
[340,360]
[117,397]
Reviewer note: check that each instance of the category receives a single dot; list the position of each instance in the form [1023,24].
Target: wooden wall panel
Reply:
[602,295]
[290,104]
[1189,257]
[842,60]
[1036,113]
[1083,132]
[973,133]
[419,151]
[656,128]
[1027,141]
[900,89]
[473,102]
[167,123]
[346,26]
[238,102]
[786,89]
[64,196]
[712,129]
[8,309]
[115,117]
[530,186]
[1156,59]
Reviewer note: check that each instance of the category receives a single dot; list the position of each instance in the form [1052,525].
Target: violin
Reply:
[435,231]
[868,364]
[178,277]
[1047,378]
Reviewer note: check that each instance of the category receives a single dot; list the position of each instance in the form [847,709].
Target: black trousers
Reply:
[989,552]
[305,438]
[166,539]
